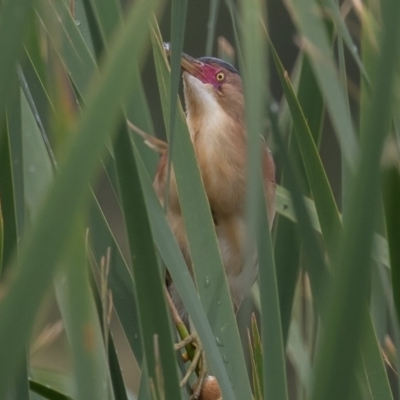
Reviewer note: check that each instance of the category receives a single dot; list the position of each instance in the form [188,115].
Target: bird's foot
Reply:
[194,352]
[198,363]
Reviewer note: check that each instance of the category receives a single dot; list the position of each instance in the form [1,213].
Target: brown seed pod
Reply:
[210,389]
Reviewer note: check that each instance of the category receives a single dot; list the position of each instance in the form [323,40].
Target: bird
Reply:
[215,115]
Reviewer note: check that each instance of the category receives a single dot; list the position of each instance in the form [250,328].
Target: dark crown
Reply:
[222,63]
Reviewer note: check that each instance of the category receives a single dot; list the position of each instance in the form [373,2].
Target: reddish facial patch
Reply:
[206,73]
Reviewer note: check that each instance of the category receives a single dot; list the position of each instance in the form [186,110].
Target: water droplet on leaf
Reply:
[274,107]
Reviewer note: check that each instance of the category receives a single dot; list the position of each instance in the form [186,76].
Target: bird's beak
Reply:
[191,65]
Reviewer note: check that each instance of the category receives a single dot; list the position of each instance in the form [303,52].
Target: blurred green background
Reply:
[84,243]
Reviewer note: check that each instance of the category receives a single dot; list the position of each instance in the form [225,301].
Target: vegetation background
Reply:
[84,242]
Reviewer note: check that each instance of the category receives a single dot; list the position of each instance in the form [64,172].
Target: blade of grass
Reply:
[337,351]
[275,381]
[396,117]
[115,370]
[370,34]
[43,105]
[137,110]
[68,42]
[299,355]
[346,174]
[104,299]
[325,204]
[12,198]
[311,100]
[255,80]
[211,25]
[52,229]
[284,207]
[55,381]
[322,205]
[330,223]
[378,304]
[14,20]
[332,8]
[95,36]
[105,16]
[369,54]
[258,354]
[36,94]
[108,14]
[1,237]
[15,121]
[119,279]
[42,158]
[373,362]
[287,268]
[313,106]
[82,21]
[172,256]
[153,324]
[147,275]
[120,391]
[74,297]
[7,198]
[233,12]
[91,368]
[46,391]
[316,265]
[144,391]
[178,21]
[391,191]
[38,170]
[101,236]
[208,268]
[316,44]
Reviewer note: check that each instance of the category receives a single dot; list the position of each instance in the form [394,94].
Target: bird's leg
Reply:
[194,350]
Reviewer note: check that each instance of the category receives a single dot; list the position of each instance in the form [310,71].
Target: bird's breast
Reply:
[221,154]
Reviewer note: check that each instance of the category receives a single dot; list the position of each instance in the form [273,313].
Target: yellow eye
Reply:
[220,76]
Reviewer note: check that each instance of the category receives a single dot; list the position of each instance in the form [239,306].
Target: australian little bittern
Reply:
[216,119]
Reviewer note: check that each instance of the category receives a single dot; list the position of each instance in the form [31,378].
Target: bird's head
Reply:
[212,85]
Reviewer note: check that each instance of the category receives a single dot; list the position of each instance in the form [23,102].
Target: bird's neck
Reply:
[206,117]
[215,131]
[220,146]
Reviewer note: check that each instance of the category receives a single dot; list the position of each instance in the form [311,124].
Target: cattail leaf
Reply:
[207,265]
[50,234]
[316,44]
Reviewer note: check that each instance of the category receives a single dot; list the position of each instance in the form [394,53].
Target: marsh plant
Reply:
[85,245]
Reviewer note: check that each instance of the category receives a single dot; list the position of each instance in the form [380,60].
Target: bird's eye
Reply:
[220,76]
